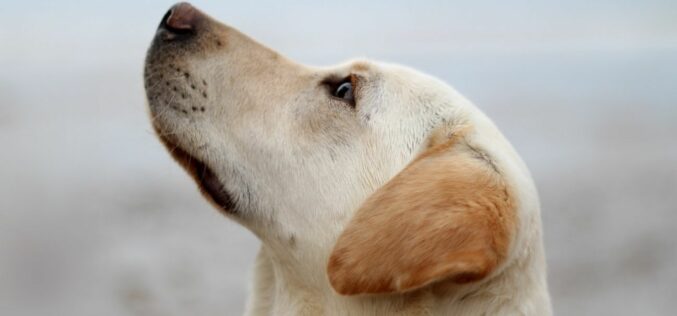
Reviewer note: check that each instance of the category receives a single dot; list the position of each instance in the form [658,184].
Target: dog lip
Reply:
[211,186]
[208,182]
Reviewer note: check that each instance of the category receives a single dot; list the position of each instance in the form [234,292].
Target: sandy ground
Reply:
[95,218]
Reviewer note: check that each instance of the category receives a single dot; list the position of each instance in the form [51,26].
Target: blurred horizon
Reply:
[96,218]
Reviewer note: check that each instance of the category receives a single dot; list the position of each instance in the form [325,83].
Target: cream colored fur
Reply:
[298,164]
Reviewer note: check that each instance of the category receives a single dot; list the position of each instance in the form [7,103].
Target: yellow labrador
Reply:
[374,189]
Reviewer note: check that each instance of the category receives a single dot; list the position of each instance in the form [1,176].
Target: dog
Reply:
[374,189]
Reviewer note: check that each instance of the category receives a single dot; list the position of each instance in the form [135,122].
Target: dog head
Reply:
[377,177]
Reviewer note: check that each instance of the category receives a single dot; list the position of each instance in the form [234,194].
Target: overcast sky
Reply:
[85,33]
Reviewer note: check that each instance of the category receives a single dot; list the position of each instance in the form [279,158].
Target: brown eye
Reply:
[344,91]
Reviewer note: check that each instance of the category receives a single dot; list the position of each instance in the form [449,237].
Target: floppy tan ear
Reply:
[446,216]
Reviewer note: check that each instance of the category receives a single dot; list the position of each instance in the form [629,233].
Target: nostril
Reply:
[182,18]
[163,22]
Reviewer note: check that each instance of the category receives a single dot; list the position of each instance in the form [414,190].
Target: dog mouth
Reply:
[208,182]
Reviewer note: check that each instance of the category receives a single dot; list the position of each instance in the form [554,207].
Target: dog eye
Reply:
[345,91]
[342,89]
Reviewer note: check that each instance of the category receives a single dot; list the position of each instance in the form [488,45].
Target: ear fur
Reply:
[446,216]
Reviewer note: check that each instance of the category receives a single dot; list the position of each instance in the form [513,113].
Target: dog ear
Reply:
[446,216]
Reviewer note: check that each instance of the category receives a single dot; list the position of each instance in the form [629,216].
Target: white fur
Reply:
[298,164]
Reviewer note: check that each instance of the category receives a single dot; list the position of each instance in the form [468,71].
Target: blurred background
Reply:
[95,218]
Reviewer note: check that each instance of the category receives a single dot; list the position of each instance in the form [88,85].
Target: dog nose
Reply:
[182,18]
